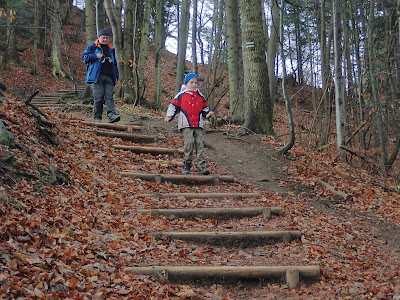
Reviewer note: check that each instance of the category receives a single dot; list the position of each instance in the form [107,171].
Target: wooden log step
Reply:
[181,179]
[150,150]
[216,213]
[48,105]
[46,97]
[114,126]
[202,195]
[291,275]
[240,239]
[129,136]
[45,102]
[158,162]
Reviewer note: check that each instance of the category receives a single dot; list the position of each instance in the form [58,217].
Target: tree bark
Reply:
[183,33]
[339,99]
[56,51]
[234,61]
[194,39]
[128,86]
[159,38]
[381,136]
[144,48]
[113,11]
[291,140]
[272,50]
[258,110]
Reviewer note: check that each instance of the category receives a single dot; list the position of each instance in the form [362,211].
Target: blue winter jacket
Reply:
[94,64]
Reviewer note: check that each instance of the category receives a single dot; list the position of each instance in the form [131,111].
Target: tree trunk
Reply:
[325,78]
[258,110]
[234,61]
[56,51]
[213,81]
[114,16]
[36,38]
[311,50]
[339,100]
[12,54]
[194,40]
[159,38]
[90,19]
[291,140]
[374,89]
[128,87]
[211,44]
[299,50]
[144,48]
[272,50]
[183,33]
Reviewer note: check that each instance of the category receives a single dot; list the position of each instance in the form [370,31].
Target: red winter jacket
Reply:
[191,107]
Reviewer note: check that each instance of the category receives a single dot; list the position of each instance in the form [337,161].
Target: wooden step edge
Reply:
[120,127]
[129,136]
[242,239]
[151,150]
[226,274]
[234,195]
[179,178]
[216,213]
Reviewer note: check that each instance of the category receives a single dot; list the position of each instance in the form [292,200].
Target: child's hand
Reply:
[211,113]
[167,119]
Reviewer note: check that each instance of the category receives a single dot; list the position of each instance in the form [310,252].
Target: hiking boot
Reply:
[203,170]
[114,118]
[97,120]
[186,167]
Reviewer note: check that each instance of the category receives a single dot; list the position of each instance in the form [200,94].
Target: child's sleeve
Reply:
[171,111]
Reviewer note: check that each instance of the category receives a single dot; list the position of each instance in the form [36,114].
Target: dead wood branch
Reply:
[28,103]
[359,127]
[333,190]
[27,151]
[29,99]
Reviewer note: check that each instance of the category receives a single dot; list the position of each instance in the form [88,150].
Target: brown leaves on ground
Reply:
[73,240]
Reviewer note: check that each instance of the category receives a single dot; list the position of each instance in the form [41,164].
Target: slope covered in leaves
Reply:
[72,239]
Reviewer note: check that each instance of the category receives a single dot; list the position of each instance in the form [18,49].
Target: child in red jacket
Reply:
[191,106]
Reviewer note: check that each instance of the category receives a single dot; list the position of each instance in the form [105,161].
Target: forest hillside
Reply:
[70,222]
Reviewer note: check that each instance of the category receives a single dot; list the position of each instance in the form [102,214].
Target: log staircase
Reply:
[290,275]
[56,99]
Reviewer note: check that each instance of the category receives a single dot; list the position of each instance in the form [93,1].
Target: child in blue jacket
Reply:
[191,107]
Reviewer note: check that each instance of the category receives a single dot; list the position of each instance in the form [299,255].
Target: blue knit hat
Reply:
[103,32]
[190,76]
